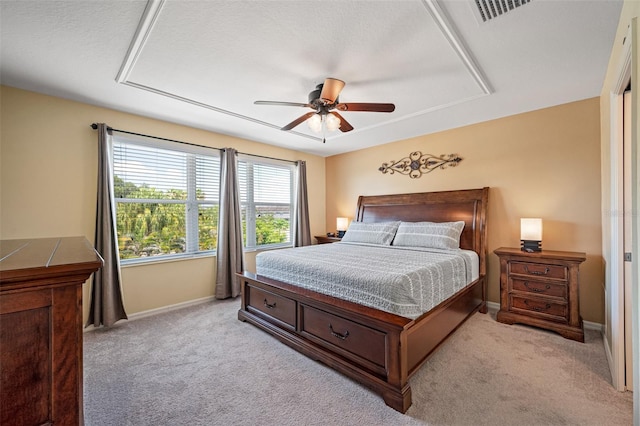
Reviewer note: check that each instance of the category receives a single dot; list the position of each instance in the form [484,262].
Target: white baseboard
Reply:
[588,325]
[169,308]
[493,306]
[609,354]
[156,311]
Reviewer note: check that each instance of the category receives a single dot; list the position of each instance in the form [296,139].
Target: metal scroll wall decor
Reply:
[418,164]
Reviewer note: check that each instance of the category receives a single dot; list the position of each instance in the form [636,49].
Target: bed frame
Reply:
[379,349]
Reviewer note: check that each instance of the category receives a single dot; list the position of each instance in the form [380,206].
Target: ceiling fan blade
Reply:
[331,90]
[298,120]
[282,103]
[366,107]
[344,124]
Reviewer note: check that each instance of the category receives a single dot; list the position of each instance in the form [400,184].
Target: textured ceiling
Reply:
[204,63]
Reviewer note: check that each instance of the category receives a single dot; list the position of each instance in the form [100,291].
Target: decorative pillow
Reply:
[371,232]
[443,235]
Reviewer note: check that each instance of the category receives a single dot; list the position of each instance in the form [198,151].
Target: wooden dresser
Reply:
[41,329]
[541,289]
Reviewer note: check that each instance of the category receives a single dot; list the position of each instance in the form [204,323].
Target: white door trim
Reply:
[615,310]
[635,140]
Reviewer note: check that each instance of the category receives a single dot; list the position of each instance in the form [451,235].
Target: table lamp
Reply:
[342,223]
[531,234]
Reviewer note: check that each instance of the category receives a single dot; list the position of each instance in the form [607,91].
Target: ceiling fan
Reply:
[324,100]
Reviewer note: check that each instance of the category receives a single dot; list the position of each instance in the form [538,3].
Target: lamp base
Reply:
[341,234]
[530,246]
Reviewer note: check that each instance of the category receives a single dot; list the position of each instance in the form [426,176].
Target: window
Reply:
[166,198]
[266,194]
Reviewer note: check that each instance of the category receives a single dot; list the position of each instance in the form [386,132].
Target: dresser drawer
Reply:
[538,270]
[540,307]
[540,287]
[271,304]
[334,332]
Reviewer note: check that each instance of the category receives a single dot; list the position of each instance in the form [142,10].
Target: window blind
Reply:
[266,195]
[166,198]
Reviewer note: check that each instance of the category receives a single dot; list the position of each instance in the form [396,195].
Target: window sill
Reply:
[128,263]
[163,259]
[274,247]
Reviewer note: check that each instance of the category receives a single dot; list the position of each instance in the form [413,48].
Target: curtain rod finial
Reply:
[94,126]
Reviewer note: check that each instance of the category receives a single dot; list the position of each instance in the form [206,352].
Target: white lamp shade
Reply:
[333,122]
[531,229]
[342,223]
[315,122]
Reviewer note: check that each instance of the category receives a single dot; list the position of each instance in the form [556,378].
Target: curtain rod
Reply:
[94,126]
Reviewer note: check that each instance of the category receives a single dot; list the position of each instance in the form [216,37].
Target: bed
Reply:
[380,349]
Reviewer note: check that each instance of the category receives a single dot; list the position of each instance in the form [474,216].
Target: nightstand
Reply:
[326,240]
[541,289]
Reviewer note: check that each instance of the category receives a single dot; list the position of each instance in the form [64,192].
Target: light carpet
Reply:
[201,366]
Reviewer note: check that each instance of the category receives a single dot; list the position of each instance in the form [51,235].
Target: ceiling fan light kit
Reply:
[319,122]
[324,100]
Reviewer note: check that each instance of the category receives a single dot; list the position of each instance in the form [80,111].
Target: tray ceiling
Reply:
[204,63]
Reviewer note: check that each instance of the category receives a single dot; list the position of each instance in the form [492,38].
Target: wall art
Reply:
[417,164]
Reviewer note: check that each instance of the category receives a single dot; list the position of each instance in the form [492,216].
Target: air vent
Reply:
[490,9]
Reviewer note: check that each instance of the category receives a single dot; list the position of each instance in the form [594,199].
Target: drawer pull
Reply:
[268,305]
[537,290]
[338,335]
[546,271]
[538,308]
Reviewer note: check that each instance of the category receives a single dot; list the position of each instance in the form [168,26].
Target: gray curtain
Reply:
[106,295]
[301,230]
[229,255]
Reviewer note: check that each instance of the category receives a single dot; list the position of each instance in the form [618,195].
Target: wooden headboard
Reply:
[468,205]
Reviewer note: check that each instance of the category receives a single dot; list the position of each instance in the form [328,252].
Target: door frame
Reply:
[615,307]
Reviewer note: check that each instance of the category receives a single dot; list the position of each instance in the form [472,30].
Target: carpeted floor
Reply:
[201,366]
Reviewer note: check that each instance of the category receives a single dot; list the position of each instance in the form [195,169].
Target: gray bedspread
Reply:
[404,281]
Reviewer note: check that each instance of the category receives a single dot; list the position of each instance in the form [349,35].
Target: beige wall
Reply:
[544,163]
[48,169]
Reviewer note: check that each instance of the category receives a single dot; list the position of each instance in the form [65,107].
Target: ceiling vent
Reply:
[490,9]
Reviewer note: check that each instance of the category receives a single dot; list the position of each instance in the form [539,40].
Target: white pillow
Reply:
[371,232]
[443,235]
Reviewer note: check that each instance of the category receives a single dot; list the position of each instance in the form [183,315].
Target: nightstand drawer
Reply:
[540,287]
[538,270]
[540,307]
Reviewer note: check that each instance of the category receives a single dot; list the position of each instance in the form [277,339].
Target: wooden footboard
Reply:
[376,348]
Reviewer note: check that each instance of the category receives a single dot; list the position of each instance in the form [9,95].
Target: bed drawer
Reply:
[336,332]
[540,287]
[271,304]
[541,307]
[539,270]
